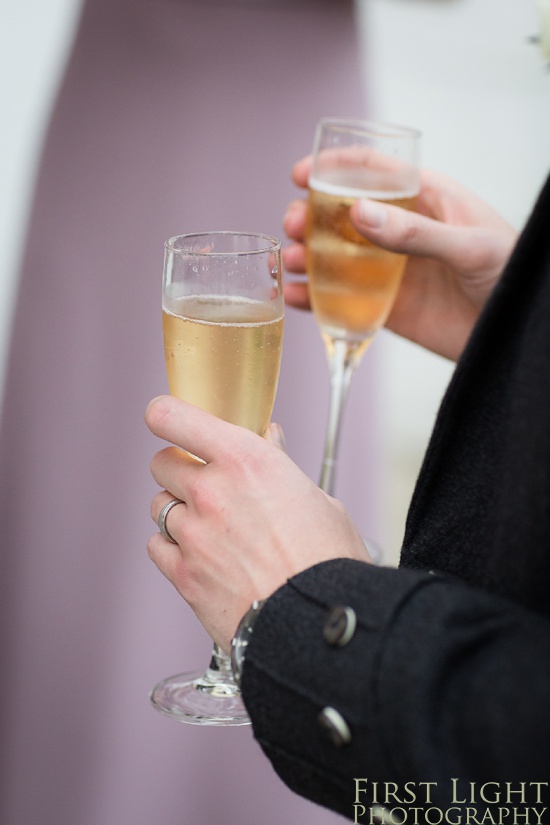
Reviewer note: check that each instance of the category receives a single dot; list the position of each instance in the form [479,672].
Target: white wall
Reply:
[34,38]
[463,71]
[466,74]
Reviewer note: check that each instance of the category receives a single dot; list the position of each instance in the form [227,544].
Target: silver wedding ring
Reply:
[161,521]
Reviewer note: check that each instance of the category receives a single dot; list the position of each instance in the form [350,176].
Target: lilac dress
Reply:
[173,116]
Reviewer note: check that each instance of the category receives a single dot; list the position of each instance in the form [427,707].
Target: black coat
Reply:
[447,676]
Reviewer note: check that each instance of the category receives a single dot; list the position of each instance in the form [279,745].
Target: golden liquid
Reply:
[352,282]
[223,355]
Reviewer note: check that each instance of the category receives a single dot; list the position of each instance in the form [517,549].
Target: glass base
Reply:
[200,699]
[374,550]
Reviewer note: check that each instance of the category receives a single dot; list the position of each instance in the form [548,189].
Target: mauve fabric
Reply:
[448,672]
[172,117]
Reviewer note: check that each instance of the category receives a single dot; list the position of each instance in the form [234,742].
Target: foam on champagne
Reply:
[339,189]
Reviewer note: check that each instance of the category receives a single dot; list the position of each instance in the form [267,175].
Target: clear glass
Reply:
[222,315]
[352,282]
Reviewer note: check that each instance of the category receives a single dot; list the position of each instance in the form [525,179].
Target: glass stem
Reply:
[343,358]
[220,662]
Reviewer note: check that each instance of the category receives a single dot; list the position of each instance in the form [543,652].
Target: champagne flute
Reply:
[222,315]
[352,282]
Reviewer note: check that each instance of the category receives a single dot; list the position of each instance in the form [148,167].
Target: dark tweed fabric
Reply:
[447,674]
[481,508]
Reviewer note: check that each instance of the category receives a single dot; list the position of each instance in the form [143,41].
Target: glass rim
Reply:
[273,244]
[372,127]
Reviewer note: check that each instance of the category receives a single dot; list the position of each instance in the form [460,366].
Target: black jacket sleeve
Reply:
[440,680]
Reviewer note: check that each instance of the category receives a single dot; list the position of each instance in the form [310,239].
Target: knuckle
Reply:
[248,466]
[482,256]
[152,545]
[410,232]
[156,505]
[201,494]
[156,462]
[161,459]
[339,506]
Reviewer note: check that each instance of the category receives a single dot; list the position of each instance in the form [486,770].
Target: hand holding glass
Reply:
[222,315]
[352,282]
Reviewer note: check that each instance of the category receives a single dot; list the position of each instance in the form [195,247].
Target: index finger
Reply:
[364,169]
[194,430]
[301,170]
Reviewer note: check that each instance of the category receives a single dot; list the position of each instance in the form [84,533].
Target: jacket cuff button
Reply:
[334,724]
[340,626]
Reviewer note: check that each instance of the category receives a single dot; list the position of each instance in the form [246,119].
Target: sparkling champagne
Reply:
[223,354]
[352,282]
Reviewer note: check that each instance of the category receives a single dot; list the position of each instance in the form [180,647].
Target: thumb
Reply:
[401,230]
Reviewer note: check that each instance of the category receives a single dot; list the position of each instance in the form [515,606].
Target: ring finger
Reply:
[171,510]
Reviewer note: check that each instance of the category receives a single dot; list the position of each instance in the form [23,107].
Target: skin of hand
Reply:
[457,247]
[250,518]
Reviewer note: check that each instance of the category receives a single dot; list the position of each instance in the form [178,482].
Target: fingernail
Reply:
[152,402]
[276,436]
[372,213]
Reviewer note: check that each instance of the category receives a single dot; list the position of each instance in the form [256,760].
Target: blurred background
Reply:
[89,624]
[471,74]
[474,76]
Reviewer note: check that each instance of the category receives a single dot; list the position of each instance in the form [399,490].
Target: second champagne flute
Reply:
[222,315]
[352,282]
